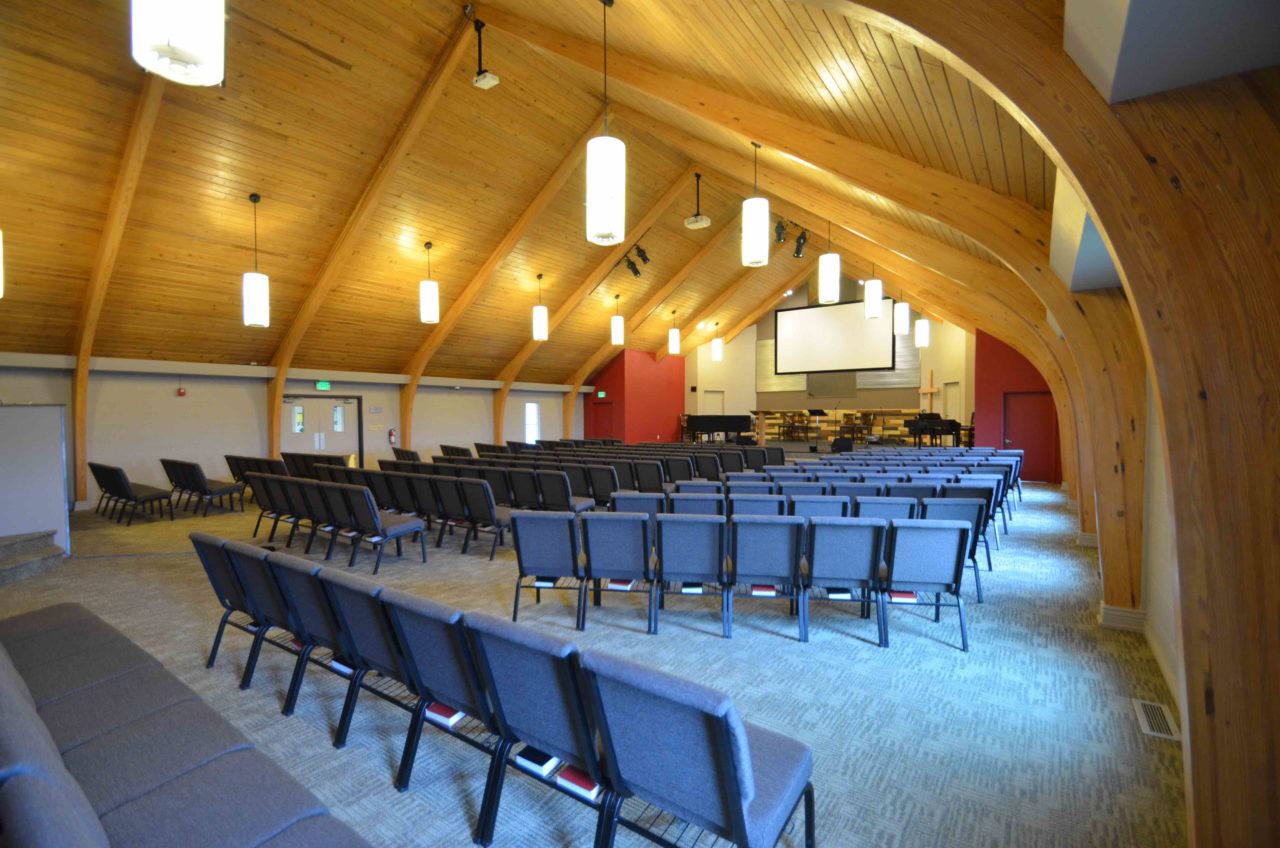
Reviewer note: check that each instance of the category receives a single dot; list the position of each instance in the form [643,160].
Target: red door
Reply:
[1031,425]
[599,423]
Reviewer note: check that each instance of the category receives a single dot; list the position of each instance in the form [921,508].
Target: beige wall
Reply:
[735,375]
[949,357]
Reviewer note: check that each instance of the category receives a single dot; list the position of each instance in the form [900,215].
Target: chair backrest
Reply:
[424,494]
[752,504]
[804,489]
[604,482]
[313,619]
[649,475]
[699,487]
[733,477]
[811,505]
[755,458]
[365,633]
[617,545]
[885,478]
[696,504]
[533,685]
[222,577]
[262,597]
[857,490]
[752,487]
[339,508]
[972,510]
[774,455]
[380,487]
[171,471]
[434,652]
[579,479]
[401,492]
[935,479]
[711,783]
[449,496]
[317,508]
[985,491]
[524,488]
[915,490]
[926,555]
[555,489]
[626,473]
[546,543]
[363,508]
[766,547]
[406,455]
[845,552]
[707,465]
[691,547]
[732,460]
[888,508]
[478,498]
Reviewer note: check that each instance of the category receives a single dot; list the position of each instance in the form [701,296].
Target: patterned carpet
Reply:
[1029,740]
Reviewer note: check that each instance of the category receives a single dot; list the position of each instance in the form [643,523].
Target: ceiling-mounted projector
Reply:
[697,220]
[485,80]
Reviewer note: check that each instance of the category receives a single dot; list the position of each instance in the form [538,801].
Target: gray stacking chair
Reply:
[547,552]
[707,766]
[765,551]
[757,504]
[618,547]
[699,487]
[844,557]
[808,506]
[745,477]
[650,503]
[691,550]
[378,528]
[453,508]
[557,493]
[312,617]
[803,488]
[914,489]
[626,473]
[534,692]
[887,508]
[731,461]
[857,490]
[483,513]
[604,482]
[262,597]
[752,487]
[222,577]
[649,475]
[366,638]
[755,458]
[678,468]
[499,485]
[983,488]
[579,480]
[973,510]
[437,665]
[926,556]
[524,488]
[707,465]
[696,504]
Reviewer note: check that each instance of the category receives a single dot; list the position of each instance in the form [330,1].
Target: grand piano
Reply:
[933,426]
[707,425]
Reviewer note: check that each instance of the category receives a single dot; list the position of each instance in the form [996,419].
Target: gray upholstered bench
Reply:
[100,745]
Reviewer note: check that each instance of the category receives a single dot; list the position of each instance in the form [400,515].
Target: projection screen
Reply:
[833,338]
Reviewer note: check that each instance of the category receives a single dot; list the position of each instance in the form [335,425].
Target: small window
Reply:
[299,421]
[532,423]
[339,418]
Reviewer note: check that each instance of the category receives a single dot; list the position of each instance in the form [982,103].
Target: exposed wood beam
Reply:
[771,301]
[417,364]
[335,262]
[104,263]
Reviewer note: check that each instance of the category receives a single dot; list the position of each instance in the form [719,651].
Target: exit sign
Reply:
[322,385]
[600,393]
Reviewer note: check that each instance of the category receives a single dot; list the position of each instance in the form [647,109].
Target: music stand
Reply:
[816,415]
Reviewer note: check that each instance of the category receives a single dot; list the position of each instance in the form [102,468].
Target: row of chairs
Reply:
[861,560]
[340,510]
[188,478]
[504,689]
[120,497]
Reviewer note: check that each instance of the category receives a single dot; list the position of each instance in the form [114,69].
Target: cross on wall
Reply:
[928,392]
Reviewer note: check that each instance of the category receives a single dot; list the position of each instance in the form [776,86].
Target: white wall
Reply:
[735,375]
[1160,590]
[37,385]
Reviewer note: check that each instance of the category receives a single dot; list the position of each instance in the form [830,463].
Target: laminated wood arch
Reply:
[1183,188]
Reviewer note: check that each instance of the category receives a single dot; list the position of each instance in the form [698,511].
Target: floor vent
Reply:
[1156,720]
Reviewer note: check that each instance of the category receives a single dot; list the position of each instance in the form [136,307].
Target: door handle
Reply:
[1008,441]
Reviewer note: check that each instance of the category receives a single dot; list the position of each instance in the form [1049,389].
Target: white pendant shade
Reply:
[181,40]
[829,278]
[717,349]
[1,263]
[922,332]
[606,190]
[901,318]
[873,297]
[673,341]
[540,324]
[256,295]
[429,301]
[617,329]
[755,232]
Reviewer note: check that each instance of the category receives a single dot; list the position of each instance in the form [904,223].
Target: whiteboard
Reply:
[33,472]
[833,338]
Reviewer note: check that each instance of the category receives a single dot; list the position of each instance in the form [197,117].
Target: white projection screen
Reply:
[833,338]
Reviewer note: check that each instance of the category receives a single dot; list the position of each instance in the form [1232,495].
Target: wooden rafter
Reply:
[330,275]
[104,262]
[772,300]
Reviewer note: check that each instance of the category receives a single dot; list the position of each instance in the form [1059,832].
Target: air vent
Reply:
[1156,720]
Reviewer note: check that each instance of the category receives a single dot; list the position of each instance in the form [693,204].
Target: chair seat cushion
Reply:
[582,504]
[144,492]
[503,515]
[400,525]
[217,487]
[780,767]
[98,662]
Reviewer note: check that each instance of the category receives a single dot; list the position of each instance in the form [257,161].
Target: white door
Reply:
[951,402]
[319,425]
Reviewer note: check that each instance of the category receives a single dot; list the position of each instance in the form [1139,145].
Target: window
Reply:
[299,425]
[339,418]
[532,423]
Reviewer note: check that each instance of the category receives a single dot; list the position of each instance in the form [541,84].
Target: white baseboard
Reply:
[1122,618]
[1167,669]
[1087,540]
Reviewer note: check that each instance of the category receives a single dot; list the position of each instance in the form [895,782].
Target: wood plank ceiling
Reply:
[313,95]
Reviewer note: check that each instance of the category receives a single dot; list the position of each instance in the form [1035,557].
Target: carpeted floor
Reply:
[1029,740]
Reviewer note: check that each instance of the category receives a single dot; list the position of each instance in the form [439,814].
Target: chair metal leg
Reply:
[581,622]
[726,612]
[252,661]
[217,639]
[987,546]
[348,708]
[996,528]
[964,624]
[977,576]
[422,542]
[293,531]
[98,506]
[399,546]
[492,794]
[653,608]
[804,614]
[493,549]
[377,561]
[133,510]
[295,682]
[596,589]
[333,543]
[355,551]
[937,607]
[171,518]
[810,819]
[1004,515]
[311,538]
[440,537]
[607,822]
[411,744]
[466,538]
[882,618]
[515,609]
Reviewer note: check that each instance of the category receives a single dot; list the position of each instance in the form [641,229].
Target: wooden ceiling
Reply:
[315,92]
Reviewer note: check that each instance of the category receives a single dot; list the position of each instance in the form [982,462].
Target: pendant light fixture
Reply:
[717,346]
[922,332]
[901,318]
[429,295]
[184,42]
[606,171]
[829,273]
[617,326]
[873,295]
[256,289]
[755,219]
[673,336]
[540,322]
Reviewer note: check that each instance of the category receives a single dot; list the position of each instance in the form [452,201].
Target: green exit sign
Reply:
[322,385]
[600,393]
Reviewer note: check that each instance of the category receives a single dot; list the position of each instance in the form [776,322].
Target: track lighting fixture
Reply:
[641,255]
[256,287]
[428,295]
[606,171]
[755,220]
[484,80]
[631,266]
[540,320]
[801,241]
[780,231]
[617,326]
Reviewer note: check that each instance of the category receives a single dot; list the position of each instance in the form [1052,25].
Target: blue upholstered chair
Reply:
[972,510]
[887,508]
[764,552]
[756,504]
[926,556]
[547,557]
[844,556]
[366,639]
[691,550]
[696,504]
[618,548]
[312,620]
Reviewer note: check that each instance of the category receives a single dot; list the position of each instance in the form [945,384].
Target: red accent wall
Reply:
[998,370]
[647,398]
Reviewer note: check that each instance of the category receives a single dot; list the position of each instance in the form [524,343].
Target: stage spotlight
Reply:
[644,257]
[632,267]
[780,231]
[801,241]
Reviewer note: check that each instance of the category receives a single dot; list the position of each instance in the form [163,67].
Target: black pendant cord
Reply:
[604,13]
[539,289]
[828,237]
[255,237]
